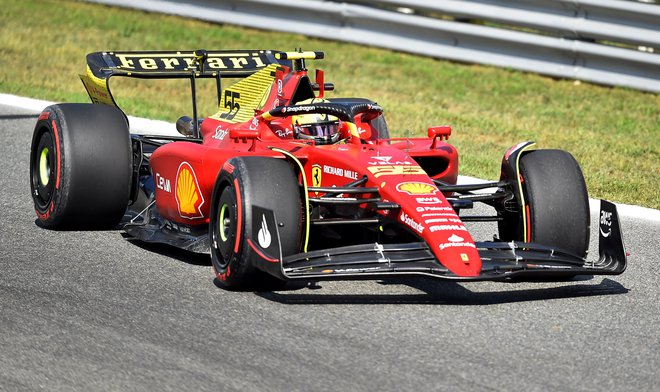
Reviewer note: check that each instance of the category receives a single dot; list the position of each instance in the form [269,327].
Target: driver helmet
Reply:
[322,128]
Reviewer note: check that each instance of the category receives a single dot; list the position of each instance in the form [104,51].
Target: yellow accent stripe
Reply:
[522,197]
[304,179]
[266,116]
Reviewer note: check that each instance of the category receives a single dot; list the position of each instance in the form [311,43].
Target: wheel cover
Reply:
[42,171]
[224,237]
[224,223]
[44,166]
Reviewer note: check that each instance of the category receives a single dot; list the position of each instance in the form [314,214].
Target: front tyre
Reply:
[556,203]
[246,183]
[80,166]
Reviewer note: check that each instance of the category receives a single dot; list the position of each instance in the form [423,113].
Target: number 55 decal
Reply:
[231,102]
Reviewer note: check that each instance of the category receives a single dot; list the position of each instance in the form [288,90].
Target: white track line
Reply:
[137,124]
[158,127]
[626,210]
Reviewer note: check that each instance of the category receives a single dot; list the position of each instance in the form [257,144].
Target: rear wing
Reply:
[101,66]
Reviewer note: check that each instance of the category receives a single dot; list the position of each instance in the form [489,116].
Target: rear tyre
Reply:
[556,197]
[243,183]
[80,166]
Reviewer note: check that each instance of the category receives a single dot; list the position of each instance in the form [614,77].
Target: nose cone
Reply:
[427,213]
[456,251]
[425,210]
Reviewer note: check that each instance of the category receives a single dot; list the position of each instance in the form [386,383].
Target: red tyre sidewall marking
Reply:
[263,256]
[228,167]
[47,214]
[57,155]
[529,225]
[239,216]
[223,276]
[528,233]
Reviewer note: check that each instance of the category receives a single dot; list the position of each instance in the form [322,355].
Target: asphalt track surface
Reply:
[85,311]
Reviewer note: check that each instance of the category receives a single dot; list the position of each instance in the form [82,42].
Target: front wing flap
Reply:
[500,261]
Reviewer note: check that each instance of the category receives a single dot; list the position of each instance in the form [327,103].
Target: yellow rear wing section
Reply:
[250,94]
[246,96]
[101,66]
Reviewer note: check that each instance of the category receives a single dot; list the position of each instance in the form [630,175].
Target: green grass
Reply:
[613,132]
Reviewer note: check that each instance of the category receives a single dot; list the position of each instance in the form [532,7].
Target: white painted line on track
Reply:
[138,125]
[31,104]
[157,127]
[626,210]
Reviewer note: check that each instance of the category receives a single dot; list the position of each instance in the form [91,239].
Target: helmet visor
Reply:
[324,130]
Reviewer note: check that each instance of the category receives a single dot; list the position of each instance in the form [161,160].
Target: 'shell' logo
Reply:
[188,196]
[416,188]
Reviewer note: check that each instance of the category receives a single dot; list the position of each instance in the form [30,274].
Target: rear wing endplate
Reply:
[101,66]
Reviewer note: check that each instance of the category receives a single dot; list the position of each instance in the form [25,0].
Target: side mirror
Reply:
[244,135]
[441,132]
[185,126]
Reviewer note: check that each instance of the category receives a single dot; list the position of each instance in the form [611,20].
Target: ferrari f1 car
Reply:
[284,183]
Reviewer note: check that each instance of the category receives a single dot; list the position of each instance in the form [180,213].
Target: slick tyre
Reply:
[246,183]
[80,166]
[556,199]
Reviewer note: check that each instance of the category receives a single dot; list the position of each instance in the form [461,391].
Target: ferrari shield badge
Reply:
[316,175]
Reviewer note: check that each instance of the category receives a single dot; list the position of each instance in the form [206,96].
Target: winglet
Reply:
[610,241]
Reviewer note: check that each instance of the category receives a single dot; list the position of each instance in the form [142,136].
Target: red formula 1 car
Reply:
[284,183]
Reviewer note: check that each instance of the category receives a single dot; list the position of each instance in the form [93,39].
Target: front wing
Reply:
[500,260]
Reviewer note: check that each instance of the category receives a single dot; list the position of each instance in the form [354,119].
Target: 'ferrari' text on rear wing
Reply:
[216,64]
